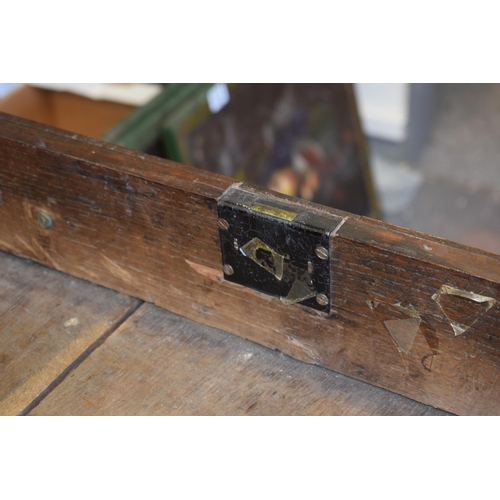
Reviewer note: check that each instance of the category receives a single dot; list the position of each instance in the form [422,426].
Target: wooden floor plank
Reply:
[47,320]
[159,363]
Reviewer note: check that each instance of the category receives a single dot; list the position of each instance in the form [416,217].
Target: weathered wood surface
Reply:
[56,348]
[158,363]
[148,228]
[48,321]
[401,294]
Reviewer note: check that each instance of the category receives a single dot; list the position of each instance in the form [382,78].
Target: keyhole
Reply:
[265,258]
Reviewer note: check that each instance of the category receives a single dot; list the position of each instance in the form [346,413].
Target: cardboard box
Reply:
[65,110]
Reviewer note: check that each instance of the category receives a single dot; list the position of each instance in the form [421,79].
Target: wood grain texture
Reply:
[389,275]
[47,320]
[148,227]
[158,363]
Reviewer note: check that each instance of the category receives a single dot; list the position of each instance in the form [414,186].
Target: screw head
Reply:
[223,224]
[322,299]
[322,253]
[44,219]
[228,269]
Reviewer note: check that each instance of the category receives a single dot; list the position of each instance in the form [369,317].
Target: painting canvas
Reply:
[302,140]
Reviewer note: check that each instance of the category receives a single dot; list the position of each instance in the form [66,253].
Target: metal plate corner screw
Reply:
[322,299]
[322,253]
[228,269]
[44,219]
[223,224]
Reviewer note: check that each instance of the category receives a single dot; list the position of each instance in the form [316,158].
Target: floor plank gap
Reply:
[82,357]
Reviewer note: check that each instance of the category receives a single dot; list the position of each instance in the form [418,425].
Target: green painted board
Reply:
[140,129]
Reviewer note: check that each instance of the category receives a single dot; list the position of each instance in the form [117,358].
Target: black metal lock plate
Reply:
[277,247]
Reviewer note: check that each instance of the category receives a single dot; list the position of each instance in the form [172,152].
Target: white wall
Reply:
[384,109]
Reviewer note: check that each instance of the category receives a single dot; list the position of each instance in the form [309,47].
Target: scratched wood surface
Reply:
[47,321]
[148,228]
[159,363]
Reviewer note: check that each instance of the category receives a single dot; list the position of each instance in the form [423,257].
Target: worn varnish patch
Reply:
[462,308]
[401,322]
[403,331]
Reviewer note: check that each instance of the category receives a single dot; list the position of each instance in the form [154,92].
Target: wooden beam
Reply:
[410,313]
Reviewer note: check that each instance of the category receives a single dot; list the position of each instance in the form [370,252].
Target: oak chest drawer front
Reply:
[410,313]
